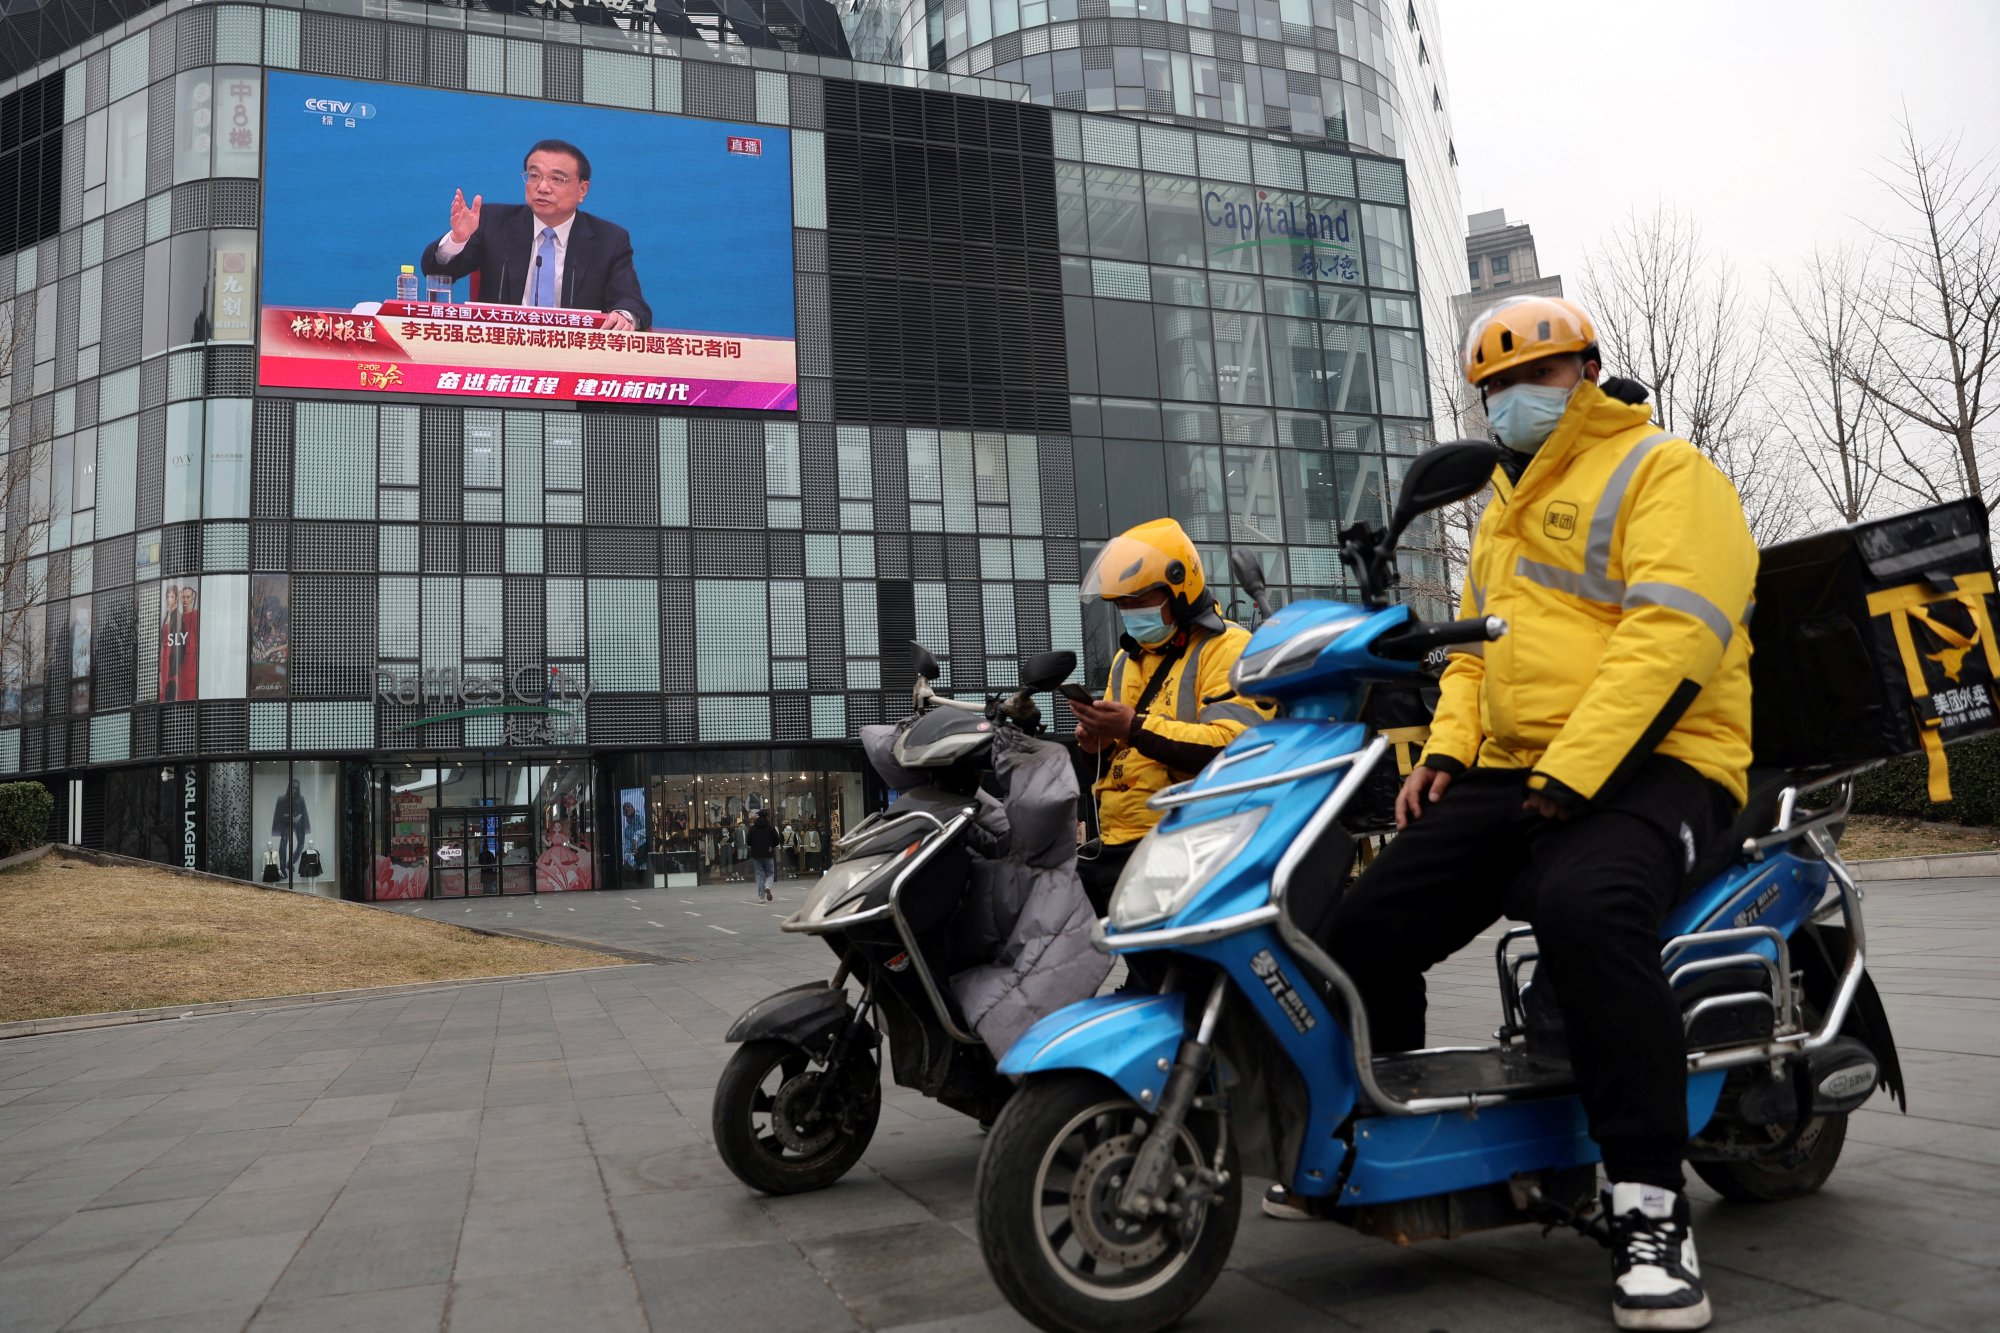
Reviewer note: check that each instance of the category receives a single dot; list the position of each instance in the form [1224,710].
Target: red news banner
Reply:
[504,351]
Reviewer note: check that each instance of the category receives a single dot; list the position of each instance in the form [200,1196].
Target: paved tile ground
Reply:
[534,1155]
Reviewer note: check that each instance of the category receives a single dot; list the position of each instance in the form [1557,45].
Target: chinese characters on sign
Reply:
[1329,264]
[229,316]
[746,147]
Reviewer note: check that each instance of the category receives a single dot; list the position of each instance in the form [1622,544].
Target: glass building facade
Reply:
[243,618]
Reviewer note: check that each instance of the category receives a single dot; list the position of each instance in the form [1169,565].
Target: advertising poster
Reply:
[180,640]
[270,635]
[232,294]
[79,655]
[632,827]
[561,253]
[295,815]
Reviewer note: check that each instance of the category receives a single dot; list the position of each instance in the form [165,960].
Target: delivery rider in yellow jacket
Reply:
[1167,708]
[1580,768]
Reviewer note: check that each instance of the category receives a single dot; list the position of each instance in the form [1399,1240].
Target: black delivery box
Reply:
[1876,640]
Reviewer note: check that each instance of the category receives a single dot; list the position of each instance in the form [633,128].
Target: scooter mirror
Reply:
[1249,574]
[1047,670]
[1440,476]
[1249,577]
[927,666]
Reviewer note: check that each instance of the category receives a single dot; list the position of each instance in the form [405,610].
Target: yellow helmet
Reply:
[1158,554]
[1522,329]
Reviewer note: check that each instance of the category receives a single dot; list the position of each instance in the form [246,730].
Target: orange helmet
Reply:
[1158,554]
[1522,329]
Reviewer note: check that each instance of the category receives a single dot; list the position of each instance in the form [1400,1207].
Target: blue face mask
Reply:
[1524,416]
[1148,624]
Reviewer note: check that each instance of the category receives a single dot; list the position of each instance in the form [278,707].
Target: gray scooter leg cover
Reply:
[1047,960]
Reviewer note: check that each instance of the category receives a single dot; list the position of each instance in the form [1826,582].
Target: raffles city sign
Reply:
[539,707]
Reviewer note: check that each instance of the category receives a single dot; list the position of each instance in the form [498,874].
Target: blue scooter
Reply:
[1110,1188]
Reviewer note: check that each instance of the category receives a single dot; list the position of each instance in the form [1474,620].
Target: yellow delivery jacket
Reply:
[1623,566]
[1178,734]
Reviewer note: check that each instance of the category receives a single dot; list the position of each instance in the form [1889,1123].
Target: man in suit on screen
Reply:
[544,252]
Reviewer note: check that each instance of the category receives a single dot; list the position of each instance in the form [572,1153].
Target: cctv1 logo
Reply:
[333,110]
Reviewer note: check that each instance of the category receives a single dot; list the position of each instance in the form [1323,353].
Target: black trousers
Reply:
[1596,888]
[1100,873]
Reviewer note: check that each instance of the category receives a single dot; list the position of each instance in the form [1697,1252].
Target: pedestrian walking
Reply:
[763,846]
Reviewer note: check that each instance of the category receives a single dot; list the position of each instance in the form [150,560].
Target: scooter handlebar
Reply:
[1418,641]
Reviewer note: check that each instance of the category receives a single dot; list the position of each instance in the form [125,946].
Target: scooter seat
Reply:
[1493,1069]
[1756,818]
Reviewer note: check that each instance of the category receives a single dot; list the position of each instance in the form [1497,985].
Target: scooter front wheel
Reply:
[766,1128]
[1058,1247]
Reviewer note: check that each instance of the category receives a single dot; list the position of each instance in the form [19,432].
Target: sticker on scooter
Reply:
[1274,979]
[1758,907]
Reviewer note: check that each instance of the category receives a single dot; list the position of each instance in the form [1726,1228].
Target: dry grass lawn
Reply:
[1870,837]
[77,938]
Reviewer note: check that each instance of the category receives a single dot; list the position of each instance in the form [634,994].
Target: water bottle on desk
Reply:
[406,283]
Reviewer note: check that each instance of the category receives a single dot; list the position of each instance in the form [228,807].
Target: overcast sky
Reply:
[1764,118]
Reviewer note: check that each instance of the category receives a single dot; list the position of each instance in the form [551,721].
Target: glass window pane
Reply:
[184,450]
[1254,511]
[1387,232]
[1312,510]
[1350,376]
[1296,368]
[1194,491]
[1187,357]
[1173,217]
[125,155]
[1399,363]
[226,466]
[1117,213]
[1241,373]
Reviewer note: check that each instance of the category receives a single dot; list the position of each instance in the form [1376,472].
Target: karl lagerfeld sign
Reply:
[445,688]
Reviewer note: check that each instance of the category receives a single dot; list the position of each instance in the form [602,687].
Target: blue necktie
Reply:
[545,270]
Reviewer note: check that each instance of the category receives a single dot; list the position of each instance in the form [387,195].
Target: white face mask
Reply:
[1524,416]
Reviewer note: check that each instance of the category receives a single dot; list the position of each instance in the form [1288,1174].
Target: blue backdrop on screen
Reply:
[345,208]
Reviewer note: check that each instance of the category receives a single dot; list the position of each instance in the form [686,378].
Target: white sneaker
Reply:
[1658,1282]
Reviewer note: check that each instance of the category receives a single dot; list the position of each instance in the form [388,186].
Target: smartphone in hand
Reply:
[1075,693]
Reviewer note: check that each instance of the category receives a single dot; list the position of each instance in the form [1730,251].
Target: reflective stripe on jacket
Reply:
[1178,734]
[1623,565]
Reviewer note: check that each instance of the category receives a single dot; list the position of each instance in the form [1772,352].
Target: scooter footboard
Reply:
[1130,1040]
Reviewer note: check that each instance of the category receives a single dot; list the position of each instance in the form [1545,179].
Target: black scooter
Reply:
[797,1102]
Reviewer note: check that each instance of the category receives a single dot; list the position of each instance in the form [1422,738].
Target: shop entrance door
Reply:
[482,852]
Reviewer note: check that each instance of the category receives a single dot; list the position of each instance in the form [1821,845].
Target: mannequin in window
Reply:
[289,825]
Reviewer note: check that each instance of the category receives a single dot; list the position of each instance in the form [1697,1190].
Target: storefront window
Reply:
[483,830]
[295,812]
[685,818]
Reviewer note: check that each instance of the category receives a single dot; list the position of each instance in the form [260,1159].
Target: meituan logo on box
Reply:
[323,106]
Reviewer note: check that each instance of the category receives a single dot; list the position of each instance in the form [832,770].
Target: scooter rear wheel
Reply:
[1058,1249]
[761,1125]
[1777,1176]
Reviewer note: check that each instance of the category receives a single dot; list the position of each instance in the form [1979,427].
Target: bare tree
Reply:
[1936,351]
[26,511]
[1446,534]
[1674,318]
[1825,340]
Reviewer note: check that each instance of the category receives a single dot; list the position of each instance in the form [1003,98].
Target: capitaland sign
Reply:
[1261,219]
[447,688]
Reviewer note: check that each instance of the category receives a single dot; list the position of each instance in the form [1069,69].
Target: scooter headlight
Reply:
[1168,868]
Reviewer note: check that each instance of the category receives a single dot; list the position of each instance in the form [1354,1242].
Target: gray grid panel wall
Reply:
[488,542]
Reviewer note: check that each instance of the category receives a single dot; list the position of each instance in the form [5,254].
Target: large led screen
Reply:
[563,253]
